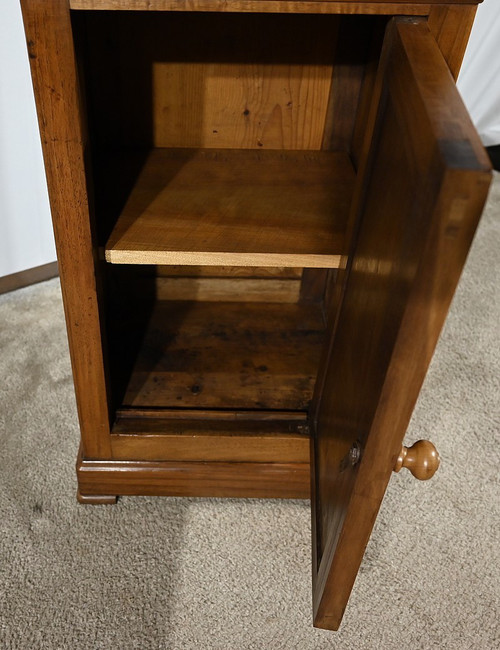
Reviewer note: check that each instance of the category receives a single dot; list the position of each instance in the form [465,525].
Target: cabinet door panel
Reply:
[421,189]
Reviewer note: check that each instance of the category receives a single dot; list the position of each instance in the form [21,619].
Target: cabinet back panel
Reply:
[202,80]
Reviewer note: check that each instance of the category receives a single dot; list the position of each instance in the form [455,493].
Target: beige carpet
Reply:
[229,574]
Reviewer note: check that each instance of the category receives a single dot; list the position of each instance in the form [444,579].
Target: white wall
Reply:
[479,80]
[26,238]
[25,228]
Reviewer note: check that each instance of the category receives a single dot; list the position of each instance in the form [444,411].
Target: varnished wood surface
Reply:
[421,459]
[246,208]
[207,479]
[212,436]
[352,56]
[96,499]
[367,94]
[226,355]
[51,54]
[295,420]
[421,192]
[451,27]
[398,7]
[220,447]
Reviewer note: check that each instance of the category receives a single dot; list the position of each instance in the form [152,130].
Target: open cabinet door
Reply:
[421,188]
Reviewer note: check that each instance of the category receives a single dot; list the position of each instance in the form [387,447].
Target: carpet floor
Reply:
[169,573]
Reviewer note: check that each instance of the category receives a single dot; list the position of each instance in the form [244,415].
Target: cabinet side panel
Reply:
[352,62]
[50,48]
[451,27]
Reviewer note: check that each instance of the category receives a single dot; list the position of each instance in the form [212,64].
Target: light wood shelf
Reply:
[235,207]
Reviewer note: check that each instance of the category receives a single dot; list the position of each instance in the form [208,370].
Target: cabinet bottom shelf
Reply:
[230,355]
[214,403]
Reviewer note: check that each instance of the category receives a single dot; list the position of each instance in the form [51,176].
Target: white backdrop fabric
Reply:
[26,238]
[479,80]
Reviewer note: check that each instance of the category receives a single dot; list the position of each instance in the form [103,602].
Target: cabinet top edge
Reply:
[415,7]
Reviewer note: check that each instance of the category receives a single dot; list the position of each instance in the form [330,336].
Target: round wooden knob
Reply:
[422,459]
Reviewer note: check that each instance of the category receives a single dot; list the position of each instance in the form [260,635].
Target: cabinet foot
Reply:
[96,499]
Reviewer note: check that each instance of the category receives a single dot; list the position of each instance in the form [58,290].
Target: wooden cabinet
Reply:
[261,209]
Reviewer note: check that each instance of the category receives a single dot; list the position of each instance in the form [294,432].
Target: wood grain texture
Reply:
[226,283]
[225,355]
[226,272]
[451,26]
[228,289]
[397,7]
[220,447]
[360,147]
[295,420]
[206,80]
[96,499]
[269,100]
[367,92]
[421,459]
[51,54]
[351,59]
[208,479]
[422,192]
[235,207]
[213,283]
[276,437]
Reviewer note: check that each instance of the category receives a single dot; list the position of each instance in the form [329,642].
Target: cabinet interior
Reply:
[223,158]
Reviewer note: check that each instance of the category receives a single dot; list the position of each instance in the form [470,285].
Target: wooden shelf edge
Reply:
[195,479]
[417,7]
[124,414]
[233,207]
[215,439]
[194,258]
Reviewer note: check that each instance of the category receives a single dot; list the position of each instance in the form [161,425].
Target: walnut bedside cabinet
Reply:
[261,211]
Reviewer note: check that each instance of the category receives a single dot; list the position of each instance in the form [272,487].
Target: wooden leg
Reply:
[96,499]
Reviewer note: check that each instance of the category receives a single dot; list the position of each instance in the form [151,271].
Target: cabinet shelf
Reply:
[235,207]
[232,355]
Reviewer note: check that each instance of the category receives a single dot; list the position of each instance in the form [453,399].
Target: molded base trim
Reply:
[99,478]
